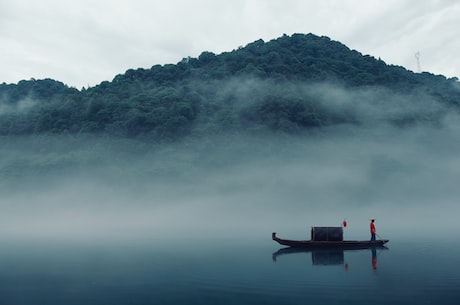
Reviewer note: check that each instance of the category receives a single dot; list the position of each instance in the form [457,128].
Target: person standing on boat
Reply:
[372,227]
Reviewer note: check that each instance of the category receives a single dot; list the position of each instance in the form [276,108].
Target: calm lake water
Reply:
[226,271]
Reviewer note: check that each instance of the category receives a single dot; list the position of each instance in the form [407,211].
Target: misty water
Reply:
[225,271]
[104,221]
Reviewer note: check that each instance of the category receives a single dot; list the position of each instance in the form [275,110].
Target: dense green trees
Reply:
[262,86]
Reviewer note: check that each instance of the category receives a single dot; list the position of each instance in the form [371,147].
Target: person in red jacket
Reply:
[372,227]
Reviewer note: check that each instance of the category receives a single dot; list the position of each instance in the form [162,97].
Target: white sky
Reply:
[84,42]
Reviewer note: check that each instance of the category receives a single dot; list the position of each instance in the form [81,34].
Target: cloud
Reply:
[401,28]
[67,186]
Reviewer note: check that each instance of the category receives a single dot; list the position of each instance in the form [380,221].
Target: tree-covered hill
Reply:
[289,84]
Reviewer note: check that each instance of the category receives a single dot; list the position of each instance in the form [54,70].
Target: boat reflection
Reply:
[324,257]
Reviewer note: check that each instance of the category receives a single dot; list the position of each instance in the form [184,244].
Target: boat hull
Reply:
[344,244]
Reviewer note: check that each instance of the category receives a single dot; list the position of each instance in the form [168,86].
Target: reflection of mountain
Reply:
[321,256]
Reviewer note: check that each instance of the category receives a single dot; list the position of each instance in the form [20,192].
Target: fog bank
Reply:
[244,184]
[233,185]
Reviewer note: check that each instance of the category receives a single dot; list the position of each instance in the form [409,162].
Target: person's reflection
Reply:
[374,258]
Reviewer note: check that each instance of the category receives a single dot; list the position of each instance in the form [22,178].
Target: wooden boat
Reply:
[342,244]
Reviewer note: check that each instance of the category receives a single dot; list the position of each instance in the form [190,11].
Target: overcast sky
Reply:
[84,42]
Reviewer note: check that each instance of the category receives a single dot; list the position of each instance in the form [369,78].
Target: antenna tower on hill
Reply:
[417,58]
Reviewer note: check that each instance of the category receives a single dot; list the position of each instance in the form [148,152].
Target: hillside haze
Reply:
[290,84]
[276,135]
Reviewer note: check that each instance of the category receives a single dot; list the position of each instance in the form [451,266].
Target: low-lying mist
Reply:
[237,185]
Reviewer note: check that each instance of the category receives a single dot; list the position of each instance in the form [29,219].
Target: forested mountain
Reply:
[289,84]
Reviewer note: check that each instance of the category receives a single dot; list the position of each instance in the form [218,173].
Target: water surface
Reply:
[225,271]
